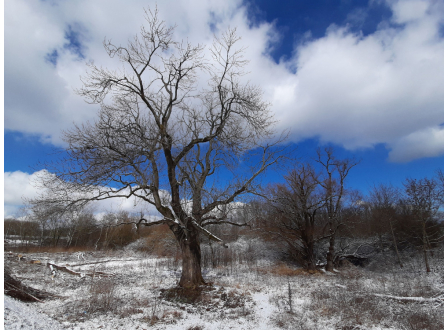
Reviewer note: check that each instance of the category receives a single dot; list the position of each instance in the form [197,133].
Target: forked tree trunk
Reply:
[191,258]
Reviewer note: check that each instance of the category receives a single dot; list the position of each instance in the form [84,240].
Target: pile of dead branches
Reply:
[14,288]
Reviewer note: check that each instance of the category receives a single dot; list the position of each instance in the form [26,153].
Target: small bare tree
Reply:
[295,207]
[383,203]
[163,139]
[335,172]
[425,197]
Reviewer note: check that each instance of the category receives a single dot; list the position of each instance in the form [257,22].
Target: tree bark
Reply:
[212,253]
[380,238]
[395,244]
[311,264]
[191,257]
[309,245]
[428,269]
[425,247]
[330,254]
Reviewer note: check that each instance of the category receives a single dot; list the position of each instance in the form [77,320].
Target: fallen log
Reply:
[415,299]
[81,274]
[14,288]
[437,299]
[103,262]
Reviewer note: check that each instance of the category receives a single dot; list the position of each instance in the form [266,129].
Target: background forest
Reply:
[312,220]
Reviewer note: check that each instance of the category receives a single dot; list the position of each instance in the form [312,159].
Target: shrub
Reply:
[102,295]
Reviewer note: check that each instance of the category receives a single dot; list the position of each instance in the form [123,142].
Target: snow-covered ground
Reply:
[257,294]
[19,315]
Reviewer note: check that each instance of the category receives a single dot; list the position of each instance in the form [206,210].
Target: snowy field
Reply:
[138,291]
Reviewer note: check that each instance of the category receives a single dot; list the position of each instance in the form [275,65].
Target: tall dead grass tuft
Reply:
[357,309]
[422,320]
[102,296]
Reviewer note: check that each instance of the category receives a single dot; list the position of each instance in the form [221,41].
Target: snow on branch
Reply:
[145,222]
[209,234]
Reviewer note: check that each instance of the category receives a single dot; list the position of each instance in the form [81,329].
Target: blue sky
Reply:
[365,76]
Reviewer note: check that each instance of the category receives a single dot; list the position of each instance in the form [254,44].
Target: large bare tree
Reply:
[164,134]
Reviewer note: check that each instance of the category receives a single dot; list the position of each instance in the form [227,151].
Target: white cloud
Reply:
[349,89]
[424,143]
[19,186]
[410,10]
[359,91]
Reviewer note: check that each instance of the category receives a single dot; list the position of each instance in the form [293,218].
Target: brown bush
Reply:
[159,240]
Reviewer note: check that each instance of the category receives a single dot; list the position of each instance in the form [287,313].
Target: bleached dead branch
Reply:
[70,271]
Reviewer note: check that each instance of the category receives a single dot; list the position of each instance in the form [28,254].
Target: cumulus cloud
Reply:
[345,88]
[358,91]
[20,186]
[424,143]
[17,186]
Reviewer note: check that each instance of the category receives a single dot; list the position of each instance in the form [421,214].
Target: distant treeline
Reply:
[312,219]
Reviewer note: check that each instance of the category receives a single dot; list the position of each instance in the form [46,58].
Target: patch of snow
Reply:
[19,315]
[263,310]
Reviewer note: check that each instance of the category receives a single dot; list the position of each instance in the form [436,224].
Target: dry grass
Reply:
[195,327]
[51,249]
[356,308]
[202,295]
[286,270]
[343,300]
[102,296]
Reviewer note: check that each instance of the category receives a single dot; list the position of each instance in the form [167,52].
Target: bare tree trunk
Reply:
[330,254]
[55,237]
[97,241]
[310,262]
[42,237]
[191,258]
[395,244]
[70,237]
[425,247]
[212,253]
[425,253]
[380,238]
[429,246]
[309,246]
